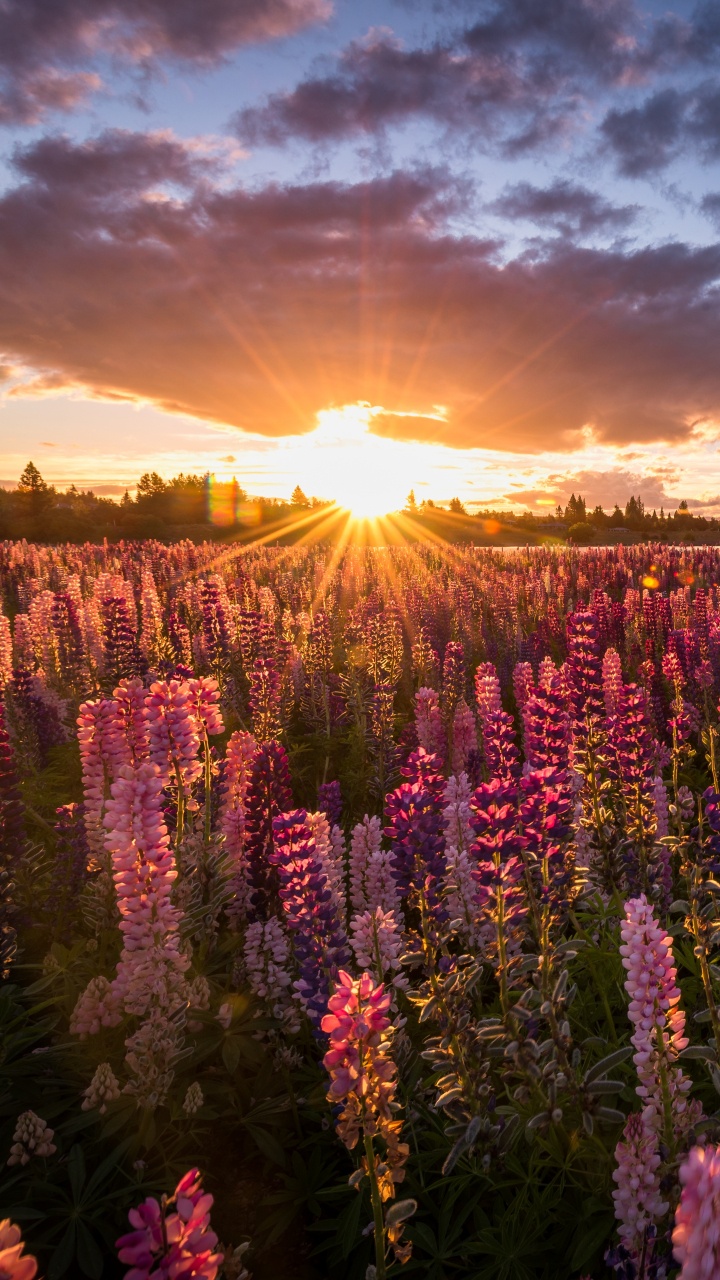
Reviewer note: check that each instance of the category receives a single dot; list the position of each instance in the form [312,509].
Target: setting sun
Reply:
[365,473]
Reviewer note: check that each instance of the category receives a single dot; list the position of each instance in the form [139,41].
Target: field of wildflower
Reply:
[360,913]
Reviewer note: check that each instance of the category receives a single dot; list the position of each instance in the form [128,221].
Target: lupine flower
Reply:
[632,742]
[638,1199]
[97,1006]
[103,750]
[487,690]
[429,722]
[316,931]
[362,1080]
[456,813]
[372,883]
[70,867]
[13,1265]
[269,970]
[523,683]
[12,843]
[330,801]
[655,1013]
[612,680]
[269,793]
[499,873]
[584,676]
[193,1100]
[415,827]
[547,731]
[264,699]
[695,1237]
[32,1137]
[6,651]
[174,732]
[377,942]
[330,855]
[502,757]
[103,1088]
[464,736]
[132,714]
[172,1246]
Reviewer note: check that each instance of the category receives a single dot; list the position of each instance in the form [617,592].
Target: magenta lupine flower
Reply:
[696,1235]
[429,723]
[655,1013]
[638,1199]
[172,1246]
[612,679]
[502,758]
[633,744]
[356,1021]
[317,934]
[499,871]
[584,674]
[547,729]
[132,715]
[15,1264]
[464,736]
[523,683]
[103,751]
[151,965]
[174,732]
[215,612]
[487,690]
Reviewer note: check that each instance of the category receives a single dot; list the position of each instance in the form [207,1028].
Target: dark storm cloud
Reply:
[46,46]
[256,308]
[564,206]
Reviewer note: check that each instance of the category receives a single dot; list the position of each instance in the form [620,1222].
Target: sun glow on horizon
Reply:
[367,475]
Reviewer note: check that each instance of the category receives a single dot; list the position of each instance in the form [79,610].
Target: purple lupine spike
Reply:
[545,813]
[632,742]
[584,673]
[416,827]
[330,801]
[122,656]
[453,678]
[499,873]
[502,757]
[318,938]
[39,710]
[68,636]
[547,731]
[216,641]
[269,794]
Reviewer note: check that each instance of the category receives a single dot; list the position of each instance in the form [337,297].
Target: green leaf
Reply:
[269,1145]
[231,1054]
[76,1171]
[63,1255]
[88,1253]
[606,1064]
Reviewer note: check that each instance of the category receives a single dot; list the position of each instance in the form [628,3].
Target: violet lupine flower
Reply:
[172,1246]
[429,723]
[41,710]
[215,630]
[712,844]
[121,654]
[330,801]
[268,794]
[318,938]
[331,854]
[453,678]
[372,883]
[545,813]
[638,1200]
[268,965]
[502,758]
[659,1022]
[414,814]
[584,676]
[69,640]
[15,1264]
[695,1237]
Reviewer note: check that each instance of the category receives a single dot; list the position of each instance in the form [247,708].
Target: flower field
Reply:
[360,913]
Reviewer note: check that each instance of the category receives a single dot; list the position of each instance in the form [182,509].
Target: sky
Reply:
[470,248]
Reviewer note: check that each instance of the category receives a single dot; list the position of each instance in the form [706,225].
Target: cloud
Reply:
[517,77]
[598,488]
[256,307]
[564,206]
[710,206]
[646,139]
[46,46]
